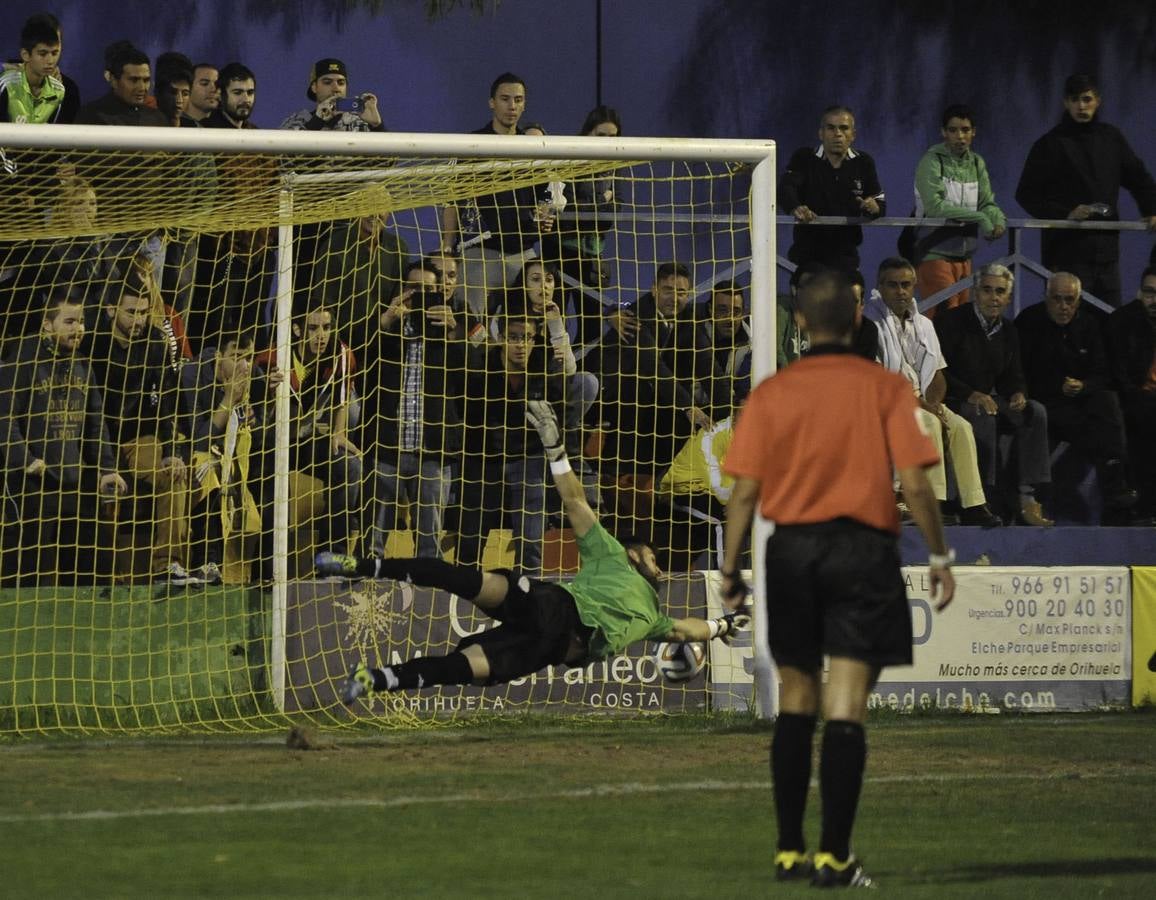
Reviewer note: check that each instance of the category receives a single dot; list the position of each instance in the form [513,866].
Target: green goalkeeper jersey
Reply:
[612,598]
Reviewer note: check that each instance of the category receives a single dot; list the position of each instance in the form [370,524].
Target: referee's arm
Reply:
[740,511]
[924,508]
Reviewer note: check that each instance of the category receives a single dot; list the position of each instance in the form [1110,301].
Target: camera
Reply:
[353,105]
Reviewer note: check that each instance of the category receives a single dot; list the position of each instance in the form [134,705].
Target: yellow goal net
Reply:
[224,353]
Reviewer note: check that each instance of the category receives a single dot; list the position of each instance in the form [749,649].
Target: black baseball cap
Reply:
[327,66]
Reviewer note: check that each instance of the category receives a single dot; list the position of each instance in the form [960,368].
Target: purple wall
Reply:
[681,67]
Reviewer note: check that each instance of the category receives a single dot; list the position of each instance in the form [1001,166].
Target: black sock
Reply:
[791,774]
[841,779]
[424,671]
[425,571]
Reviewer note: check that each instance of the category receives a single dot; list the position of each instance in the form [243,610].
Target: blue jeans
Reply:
[425,485]
[496,492]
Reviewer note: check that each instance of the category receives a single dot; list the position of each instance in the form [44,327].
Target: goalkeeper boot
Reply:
[358,683]
[830,872]
[341,564]
[792,865]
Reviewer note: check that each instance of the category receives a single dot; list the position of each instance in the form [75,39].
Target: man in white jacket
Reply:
[909,345]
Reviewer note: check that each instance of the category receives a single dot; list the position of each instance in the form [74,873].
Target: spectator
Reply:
[232,427]
[834,180]
[694,492]
[1075,171]
[355,267]
[411,421]
[1132,356]
[57,453]
[322,396]
[237,93]
[504,474]
[656,374]
[34,92]
[205,95]
[126,103]
[951,182]
[985,385]
[328,83]
[908,345]
[132,368]
[727,332]
[1067,370]
[535,291]
[508,224]
[584,242]
[865,336]
[173,87]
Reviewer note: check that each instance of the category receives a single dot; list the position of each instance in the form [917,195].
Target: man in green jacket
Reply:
[951,182]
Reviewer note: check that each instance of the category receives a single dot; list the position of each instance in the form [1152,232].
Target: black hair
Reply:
[421,265]
[958,111]
[836,108]
[809,268]
[43,28]
[634,542]
[119,54]
[234,71]
[729,286]
[600,115]
[827,303]
[515,311]
[1079,83]
[505,78]
[667,269]
[893,262]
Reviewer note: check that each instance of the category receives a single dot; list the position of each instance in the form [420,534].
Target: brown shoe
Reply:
[1031,513]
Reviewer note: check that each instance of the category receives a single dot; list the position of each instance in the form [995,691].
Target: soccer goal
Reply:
[226,351]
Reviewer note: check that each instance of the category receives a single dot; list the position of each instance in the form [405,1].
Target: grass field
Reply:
[1042,806]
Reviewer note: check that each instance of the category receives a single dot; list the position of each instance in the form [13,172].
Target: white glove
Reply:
[540,415]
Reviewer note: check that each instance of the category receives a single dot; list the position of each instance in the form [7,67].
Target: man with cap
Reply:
[1075,171]
[328,82]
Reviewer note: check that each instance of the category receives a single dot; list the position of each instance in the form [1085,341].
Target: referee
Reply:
[611,603]
[815,449]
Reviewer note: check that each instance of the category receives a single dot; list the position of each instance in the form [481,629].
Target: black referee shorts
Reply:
[835,588]
[539,620]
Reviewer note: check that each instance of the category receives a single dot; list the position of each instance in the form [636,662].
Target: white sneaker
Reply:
[177,575]
[209,573]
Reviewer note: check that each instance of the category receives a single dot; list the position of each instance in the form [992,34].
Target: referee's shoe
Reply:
[791,865]
[830,872]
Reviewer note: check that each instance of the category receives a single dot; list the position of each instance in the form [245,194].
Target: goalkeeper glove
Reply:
[540,415]
[724,627]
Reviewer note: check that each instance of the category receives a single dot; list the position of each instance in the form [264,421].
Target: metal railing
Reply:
[1015,260]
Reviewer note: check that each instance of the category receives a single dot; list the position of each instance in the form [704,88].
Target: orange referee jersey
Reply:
[822,438]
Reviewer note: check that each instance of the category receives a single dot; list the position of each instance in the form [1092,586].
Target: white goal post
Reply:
[758,155]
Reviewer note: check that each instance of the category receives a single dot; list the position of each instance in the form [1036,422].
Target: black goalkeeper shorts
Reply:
[835,588]
[539,622]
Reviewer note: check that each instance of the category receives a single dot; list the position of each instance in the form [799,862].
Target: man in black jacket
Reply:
[1066,369]
[985,385]
[411,418]
[1075,171]
[657,372]
[139,386]
[56,447]
[834,180]
[1132,358]
[126,102]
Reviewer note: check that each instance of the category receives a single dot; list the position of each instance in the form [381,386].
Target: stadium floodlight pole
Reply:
[764,311]
[283,320]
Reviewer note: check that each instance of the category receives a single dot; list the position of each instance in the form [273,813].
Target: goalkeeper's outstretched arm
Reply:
[582,518]
[723,628]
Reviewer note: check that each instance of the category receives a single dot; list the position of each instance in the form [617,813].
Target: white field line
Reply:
[596,791]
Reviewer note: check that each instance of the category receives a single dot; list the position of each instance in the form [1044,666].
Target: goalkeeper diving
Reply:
[612,602]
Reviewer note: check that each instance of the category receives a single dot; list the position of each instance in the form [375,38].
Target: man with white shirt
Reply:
[908,345]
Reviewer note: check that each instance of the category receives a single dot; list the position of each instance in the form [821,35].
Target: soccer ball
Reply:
[680,661]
